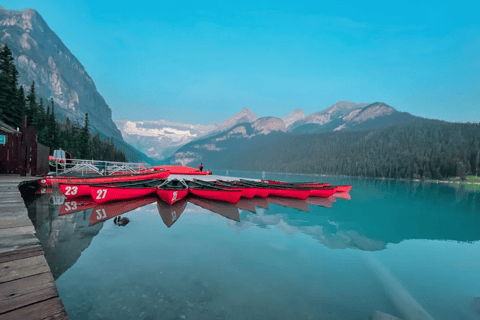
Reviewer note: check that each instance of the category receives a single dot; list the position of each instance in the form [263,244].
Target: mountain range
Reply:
[160,139]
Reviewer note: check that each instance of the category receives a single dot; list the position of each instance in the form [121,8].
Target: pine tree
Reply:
[31,110]
[40,125]
[8,88]
[84,140]
[20,104]
[52,128]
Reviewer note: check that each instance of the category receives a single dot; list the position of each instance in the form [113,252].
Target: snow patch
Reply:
[176,135]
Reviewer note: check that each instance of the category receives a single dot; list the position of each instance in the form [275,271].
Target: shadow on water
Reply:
[379,212]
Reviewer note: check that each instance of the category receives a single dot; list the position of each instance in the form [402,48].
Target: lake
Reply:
[404,248]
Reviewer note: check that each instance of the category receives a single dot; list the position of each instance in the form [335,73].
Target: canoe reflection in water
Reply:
[225,209]
[251,204]
[75,205]
[171,213]
[298,204]
[110,210]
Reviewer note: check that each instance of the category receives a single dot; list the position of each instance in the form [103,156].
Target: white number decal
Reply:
[174,216]
[101,193]
[71,191]
[174,196]
[101,214]
[70,205]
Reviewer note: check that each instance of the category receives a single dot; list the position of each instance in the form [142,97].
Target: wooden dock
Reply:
[27,287]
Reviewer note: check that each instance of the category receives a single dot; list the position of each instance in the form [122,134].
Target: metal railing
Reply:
[85,167]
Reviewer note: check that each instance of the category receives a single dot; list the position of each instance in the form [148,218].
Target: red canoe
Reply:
[107,193]
[261,192]
[345,188]
[247,192]
[183,170]
[172,191]
[161,174]
[324,192]
[282,190]
[298,184]
[214,193]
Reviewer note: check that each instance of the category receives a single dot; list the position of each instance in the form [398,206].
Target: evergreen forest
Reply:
[16,102]
[423,149]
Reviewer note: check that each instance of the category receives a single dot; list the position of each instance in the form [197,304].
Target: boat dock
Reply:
[27,287]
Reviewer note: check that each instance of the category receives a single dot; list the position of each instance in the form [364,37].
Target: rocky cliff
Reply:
[42,57]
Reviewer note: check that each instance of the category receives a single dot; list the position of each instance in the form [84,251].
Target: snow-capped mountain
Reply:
[159,139]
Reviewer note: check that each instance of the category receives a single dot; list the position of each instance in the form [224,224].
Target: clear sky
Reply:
[201,62]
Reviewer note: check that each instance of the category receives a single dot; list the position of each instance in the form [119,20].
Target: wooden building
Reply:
[20,153]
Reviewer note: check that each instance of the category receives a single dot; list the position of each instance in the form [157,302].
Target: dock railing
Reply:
[86,167]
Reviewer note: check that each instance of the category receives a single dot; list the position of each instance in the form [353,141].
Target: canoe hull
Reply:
[345,188]
[231,196]
[322,193]
[171,196]
[71,191]
[102,194]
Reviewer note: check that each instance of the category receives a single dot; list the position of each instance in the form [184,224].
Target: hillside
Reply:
[419,149]
[41,57]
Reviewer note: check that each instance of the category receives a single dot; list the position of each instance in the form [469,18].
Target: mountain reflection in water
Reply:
[382,212]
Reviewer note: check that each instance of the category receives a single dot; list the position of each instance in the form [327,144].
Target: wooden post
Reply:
[23,148]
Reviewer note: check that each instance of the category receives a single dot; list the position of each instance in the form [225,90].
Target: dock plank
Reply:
[23,292]
[17,238]
[27,287]
[18,269]
[51,309]
[21,254]
[15,221]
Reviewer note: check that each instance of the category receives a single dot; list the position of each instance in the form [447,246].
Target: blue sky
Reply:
[201,62]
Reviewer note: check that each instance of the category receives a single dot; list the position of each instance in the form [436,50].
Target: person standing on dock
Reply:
[200,166]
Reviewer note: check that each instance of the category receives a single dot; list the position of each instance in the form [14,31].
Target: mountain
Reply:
[237,138]
[159,139]
[348,116]
[245,115]
[42,57]
[293,117]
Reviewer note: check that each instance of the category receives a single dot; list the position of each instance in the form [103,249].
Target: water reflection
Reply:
[382,212]
[75,205]
[106,211]
[225,209]
[171,213]
[301,205]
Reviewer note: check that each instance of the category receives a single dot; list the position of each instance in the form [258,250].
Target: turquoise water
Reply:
[407,249]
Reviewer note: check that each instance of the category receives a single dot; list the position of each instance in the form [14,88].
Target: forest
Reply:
[422,149]
[425,149]
[17,102]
